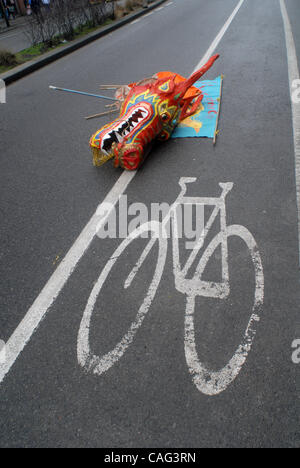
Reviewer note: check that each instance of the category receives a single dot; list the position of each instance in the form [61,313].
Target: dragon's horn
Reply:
[185,85]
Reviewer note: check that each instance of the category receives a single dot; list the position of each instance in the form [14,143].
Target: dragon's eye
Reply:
[165,116]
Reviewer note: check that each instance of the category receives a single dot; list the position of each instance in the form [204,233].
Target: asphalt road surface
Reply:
[50,191]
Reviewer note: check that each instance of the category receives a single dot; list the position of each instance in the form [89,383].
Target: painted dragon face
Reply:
[150,111]
[121,131]
[143,118]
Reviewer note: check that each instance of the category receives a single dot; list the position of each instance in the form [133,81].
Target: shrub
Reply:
[7,58]
[119,12]
[132,4]
[129,5]
[64,17]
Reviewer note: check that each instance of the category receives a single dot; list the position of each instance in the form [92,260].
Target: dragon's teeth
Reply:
[124,128]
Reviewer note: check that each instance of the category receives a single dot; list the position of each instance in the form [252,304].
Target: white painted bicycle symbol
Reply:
[207,381]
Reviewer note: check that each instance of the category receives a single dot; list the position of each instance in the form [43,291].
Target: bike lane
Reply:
[148,398]
[50,192]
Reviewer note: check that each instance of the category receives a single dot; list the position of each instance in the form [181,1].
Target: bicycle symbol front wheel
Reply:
[100,364]
[214,382]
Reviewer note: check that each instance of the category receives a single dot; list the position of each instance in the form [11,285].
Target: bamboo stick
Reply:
[217,122]
[111,86]
[114,105]
[100,114]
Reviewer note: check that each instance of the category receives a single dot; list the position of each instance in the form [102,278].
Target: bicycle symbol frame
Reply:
[207,381]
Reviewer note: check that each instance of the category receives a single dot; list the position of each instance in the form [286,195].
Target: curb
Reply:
[49,57]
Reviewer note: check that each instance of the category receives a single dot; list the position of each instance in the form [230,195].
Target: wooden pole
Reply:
[217,122]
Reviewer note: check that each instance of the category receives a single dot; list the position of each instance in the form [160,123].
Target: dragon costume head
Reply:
[149,110]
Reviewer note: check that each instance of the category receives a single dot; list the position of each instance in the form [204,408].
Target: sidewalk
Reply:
[20,21]
[17,23]
[13,38]
[49,57]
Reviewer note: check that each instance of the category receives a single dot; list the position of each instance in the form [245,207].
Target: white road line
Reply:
[49,293]
[136,21]
[160,8]
[293,75]
[218,38]
[38,310]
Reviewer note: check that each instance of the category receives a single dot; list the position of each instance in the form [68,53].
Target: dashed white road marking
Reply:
[293,75]
[49,293]
[160,8]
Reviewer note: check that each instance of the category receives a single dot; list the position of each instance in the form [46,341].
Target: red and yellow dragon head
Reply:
[149,110]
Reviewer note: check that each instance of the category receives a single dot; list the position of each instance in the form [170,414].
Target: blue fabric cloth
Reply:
[203,123]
